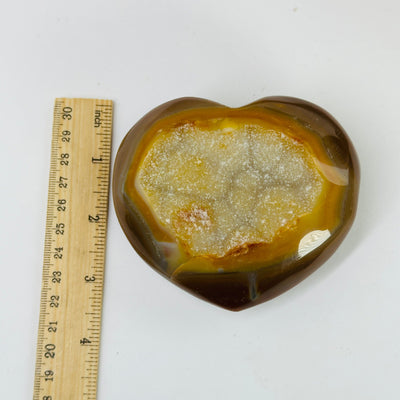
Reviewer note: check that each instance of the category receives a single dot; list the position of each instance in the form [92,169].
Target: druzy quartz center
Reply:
[223,187]
[236,205]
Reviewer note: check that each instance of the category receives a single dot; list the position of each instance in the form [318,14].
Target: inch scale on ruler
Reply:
[74,253]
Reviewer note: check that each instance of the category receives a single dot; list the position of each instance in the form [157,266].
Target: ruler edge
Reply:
[47,237]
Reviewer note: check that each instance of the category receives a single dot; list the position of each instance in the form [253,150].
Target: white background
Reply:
[334,336]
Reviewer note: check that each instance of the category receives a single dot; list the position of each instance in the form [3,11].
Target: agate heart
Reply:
[236,205]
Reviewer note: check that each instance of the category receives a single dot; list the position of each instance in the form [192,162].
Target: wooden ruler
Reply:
[74,252]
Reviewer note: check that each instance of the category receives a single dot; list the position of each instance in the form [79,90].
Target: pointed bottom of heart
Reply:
[237,291]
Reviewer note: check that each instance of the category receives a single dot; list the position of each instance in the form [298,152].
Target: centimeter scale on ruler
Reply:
[74,254]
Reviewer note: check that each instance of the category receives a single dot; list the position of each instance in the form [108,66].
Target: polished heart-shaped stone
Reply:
[236,205]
